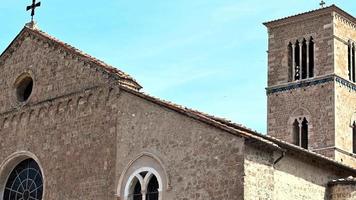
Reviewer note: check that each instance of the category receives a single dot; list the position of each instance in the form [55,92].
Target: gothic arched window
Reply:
[296,132]
[351,62]
[354,137]
[301,59]
[304,134]
[300,132]
[290,62]
[24,182]
[311,57]
[144,185]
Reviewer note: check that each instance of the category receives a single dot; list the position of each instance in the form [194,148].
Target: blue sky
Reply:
[208,55]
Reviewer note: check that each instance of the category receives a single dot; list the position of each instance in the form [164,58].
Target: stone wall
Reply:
[343,189]
[314,102]
[55,71]
[293,177]
[319,27]
[259,174]
[72,139]
[202,162]
[344,31]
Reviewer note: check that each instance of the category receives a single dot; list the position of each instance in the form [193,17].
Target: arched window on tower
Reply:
[304,134]
[311,57]
[301,59]
[297,60]
[290,62]
[300,132]
[351,61]
[304,60]
[296,132]
[354,137]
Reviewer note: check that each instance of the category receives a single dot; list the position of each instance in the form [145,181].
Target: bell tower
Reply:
[312,82]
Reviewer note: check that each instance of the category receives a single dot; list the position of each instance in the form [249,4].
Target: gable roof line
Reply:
[117,74]
[312,13]
[238,130]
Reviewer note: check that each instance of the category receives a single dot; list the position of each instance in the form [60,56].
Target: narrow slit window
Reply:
[304,60]
[297,61]
[349,61]
[290,62]
[311,57]
[304,134]
[354,137]
[353,71]
[296,132]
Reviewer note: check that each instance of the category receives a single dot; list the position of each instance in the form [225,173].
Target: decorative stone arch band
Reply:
[10,164]
[145,162]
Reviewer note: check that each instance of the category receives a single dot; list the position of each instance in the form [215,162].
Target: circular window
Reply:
[24,87]
[25,182]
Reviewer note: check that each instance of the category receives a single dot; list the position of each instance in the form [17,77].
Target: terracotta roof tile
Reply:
[239,130]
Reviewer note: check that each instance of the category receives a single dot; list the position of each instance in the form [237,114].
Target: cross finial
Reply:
[322,3]
[32,8]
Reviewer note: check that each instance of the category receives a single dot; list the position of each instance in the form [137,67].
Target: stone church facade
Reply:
[73,127]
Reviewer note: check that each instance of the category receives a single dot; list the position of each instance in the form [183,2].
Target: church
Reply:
[75,128]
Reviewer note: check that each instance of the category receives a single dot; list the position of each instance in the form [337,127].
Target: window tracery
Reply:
[25,182]
[144,185]
[300,132]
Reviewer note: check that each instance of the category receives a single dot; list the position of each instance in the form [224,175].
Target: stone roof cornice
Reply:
[311,14]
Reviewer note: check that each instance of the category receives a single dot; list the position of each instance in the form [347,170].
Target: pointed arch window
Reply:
[351,61]
[145,184]
[301,59]
[354,137]
[301,132]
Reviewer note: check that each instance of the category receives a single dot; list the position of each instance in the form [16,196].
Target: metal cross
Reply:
[32,8]
[322,3]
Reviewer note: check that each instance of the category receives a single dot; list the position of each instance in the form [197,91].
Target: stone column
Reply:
[300,60]
[300,132]
[143,194]
[308,62]
[293,61]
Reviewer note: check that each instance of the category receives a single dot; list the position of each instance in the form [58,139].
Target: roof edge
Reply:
[310,14]
[241,131]
[112,72]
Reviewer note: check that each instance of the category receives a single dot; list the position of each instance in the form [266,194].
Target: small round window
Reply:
[24,86]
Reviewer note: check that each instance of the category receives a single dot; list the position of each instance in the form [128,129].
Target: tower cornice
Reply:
[312,14]
[311,82]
